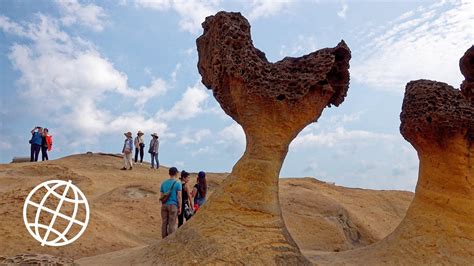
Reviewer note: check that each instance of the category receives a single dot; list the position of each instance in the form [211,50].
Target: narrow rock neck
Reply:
[264,156]
[446,175]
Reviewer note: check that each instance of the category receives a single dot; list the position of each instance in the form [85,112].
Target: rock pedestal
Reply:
[438,228]
[273,102]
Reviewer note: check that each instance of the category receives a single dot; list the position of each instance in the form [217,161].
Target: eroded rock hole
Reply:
[281,97]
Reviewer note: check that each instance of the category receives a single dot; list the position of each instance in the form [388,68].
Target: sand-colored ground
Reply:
[125,213]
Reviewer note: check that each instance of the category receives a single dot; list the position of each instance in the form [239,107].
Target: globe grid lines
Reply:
[79,198]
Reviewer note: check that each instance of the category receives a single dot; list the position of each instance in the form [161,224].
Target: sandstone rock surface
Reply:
[438,121]
[273,102]
[125,213]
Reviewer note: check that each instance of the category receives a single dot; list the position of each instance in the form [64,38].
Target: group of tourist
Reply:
[40,140]
[179,202]
[139,144]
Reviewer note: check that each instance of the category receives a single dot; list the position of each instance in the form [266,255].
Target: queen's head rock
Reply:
[242,223]
[288,94]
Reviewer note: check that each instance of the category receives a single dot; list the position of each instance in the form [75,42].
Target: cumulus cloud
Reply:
[337,136]
[195,137]
[418,45]
[89,15]
[192,12]
[232,139]
[72,79]
[11,27]
[266,8]
[190,105]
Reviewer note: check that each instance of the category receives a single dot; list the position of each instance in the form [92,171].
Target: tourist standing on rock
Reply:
[46,144]
[139,145]
[127,151]
[170,197]
[186,206]
[200,191]
[153,150]
[36,138]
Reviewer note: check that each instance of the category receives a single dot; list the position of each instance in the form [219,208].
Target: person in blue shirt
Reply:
[171,207]
[36,140]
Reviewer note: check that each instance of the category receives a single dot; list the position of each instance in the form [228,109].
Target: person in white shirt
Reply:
[127,151]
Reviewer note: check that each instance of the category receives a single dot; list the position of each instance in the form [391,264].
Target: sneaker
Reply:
[123,168]
[130,168]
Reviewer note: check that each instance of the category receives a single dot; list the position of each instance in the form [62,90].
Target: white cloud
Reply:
[233,134]
[145,93]
[302,45]
[192,12]
[345,118]
[72,79]
[342,13]
[175,72]
[190,104]
[195,138]
[11,27]
[337,136]
[424,45]
[204,150]
[266,8]
[232,140]
[89,15]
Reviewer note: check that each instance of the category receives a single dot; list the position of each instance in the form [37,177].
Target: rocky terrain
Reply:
[125,213]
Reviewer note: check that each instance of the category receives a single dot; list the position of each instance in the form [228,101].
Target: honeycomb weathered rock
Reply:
[242,222]
[438,228]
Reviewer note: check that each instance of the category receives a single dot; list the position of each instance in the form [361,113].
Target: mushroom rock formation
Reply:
[438,228]
[466,63]
[273,102]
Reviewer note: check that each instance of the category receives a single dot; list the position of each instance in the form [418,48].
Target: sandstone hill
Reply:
[125,214]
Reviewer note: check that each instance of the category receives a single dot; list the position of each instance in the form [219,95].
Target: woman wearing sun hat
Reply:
[127,151]
[153,150]
[139,145]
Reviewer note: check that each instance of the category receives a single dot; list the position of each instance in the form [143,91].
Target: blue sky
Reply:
[91,70]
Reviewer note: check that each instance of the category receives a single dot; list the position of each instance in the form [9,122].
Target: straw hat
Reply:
[128,134]
[139,132]
[154,135]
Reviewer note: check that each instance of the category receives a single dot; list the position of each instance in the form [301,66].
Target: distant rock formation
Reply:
[438,228]
[273,102]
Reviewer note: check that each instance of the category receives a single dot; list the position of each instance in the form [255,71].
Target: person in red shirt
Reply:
[46,144]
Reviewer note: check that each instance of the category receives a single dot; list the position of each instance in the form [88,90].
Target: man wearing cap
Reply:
[127,151]
[139,145]
[171,206]
[153,150]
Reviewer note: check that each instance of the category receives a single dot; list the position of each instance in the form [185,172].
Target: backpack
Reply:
[164,198]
